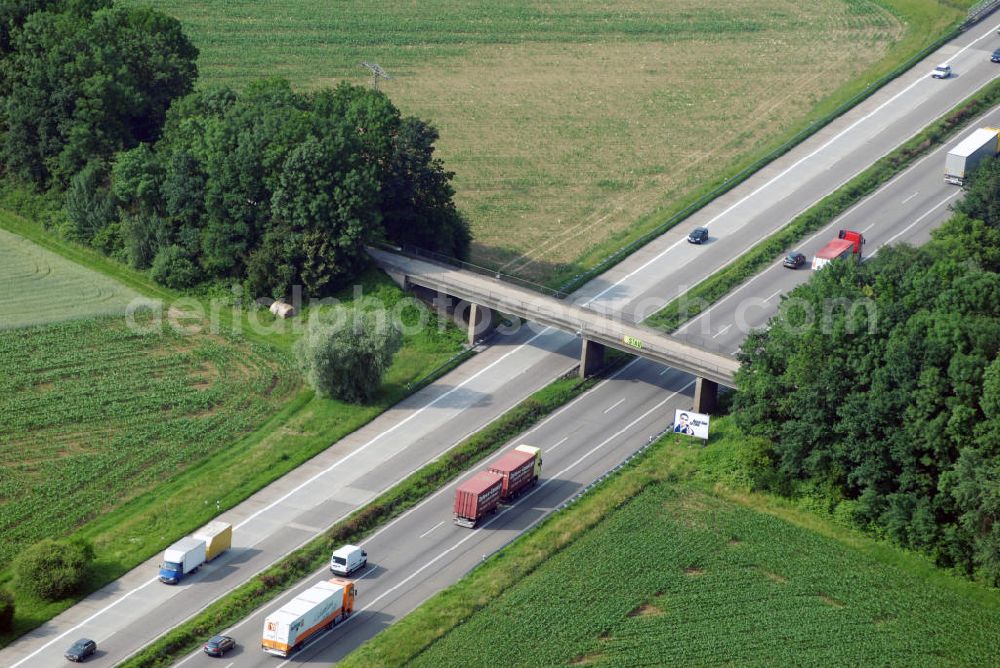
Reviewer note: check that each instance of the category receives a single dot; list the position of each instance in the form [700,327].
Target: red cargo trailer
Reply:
[476,497]
[518,470]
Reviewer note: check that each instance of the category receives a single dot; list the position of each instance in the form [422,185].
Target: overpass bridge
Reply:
[488,295]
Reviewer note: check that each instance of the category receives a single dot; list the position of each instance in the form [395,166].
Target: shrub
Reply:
[6,611]
[90,207]
[53,570]
[347,360]
[173,268]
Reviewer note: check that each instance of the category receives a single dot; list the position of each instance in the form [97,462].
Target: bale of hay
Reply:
[282,310]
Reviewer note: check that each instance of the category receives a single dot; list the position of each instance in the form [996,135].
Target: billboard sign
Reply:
[692,424]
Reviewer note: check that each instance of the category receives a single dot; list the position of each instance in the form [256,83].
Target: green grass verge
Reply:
[663,563]
[303,562]
[716,286]
[926,34]
[41,286]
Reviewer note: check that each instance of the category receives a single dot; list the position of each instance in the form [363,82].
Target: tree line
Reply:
[887,408]
[267,186]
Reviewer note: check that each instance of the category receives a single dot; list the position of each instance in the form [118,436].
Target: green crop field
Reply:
[679,576]
[40,286]
[574,125]
[92,413]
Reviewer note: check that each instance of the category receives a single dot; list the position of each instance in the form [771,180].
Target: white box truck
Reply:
[969,153]
[181,558]
[318,608]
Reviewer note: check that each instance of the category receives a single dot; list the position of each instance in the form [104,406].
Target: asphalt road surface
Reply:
[129,613]
[423,552]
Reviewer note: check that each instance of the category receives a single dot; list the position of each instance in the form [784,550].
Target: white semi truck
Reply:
[969,153]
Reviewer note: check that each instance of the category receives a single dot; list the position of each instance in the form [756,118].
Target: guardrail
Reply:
[980,11]
[424,254]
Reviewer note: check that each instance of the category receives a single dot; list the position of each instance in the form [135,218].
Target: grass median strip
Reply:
[288,572]
[716,286]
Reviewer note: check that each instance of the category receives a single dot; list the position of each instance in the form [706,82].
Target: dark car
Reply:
[698,235]
[219,645]
[996,56]
[794,260]
[81,649]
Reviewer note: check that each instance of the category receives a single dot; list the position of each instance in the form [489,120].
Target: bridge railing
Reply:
[424,254]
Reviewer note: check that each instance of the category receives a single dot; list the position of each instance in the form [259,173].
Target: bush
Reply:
[173,268]
[347,359]
[53,570]
[6,611]
[90,206]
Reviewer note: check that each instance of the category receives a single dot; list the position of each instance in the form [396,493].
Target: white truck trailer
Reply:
[318,608]
[969,153]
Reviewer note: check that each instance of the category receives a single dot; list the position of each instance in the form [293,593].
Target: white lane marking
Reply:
[432,528]
[536,489]
[909,198]
[553,447]
[499,513]
[910,226]
[891,182]
[393,428]
[722,331]
[793,167]
[543,332]
[664,371]
[470,473]
[111,605]
[773,296]
[614,405]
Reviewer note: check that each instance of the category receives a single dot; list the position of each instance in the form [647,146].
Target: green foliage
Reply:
[289,571]
[278,188]
[52,570]
[84,80]
[876,383]
[417,195]
[346,358]
[6,610]
[89,205]
[174,268]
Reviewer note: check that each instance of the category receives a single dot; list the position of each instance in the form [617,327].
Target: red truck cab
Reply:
[847,244]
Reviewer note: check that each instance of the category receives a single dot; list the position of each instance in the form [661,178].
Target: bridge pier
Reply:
[482,321]
[591,357]
[706,396]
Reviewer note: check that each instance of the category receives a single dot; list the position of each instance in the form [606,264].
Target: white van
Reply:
[347,559]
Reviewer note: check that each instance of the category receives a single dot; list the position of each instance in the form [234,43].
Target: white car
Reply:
[941,72]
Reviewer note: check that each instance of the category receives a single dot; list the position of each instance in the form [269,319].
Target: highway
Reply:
[128,614]
[423,552]
[904,210]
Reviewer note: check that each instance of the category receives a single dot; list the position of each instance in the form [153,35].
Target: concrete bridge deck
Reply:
[591,325]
